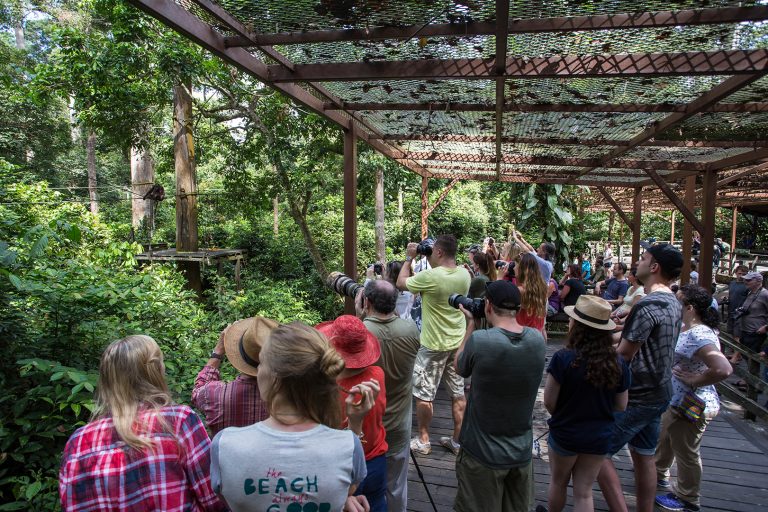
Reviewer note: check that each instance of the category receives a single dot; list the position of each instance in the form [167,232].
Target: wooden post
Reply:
[732,259]
[709,193]
[672,234]
[690,202]
[636,224]
[350,211]
[381,248]
[186,183]
[611,218]
[424,206]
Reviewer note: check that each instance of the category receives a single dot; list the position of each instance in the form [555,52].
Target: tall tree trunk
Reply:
[90,148]
[276,214]
[299,216]
[18,30]
[142,179]
[74,132]
[186,182]
[381,247]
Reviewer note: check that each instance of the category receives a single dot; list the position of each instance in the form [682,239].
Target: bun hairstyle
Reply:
[131,380]
[701,301]
[304,366]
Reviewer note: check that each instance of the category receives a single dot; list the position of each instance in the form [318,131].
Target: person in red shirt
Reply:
[140,452]
[360,350]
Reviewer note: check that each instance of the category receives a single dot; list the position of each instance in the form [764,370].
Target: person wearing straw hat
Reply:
[648,345]
[587,381]
[237,403]
[360,349]
[494,466]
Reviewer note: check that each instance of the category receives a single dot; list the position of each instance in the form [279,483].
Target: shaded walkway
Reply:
[735,455]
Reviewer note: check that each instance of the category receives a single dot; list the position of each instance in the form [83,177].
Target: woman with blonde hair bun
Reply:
[140,452]
[296,456]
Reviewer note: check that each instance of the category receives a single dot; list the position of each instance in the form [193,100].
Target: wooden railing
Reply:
[751,376]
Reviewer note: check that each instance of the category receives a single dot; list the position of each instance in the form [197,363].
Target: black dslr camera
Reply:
[343,284]
[378,268]
[474,306]
[425,247]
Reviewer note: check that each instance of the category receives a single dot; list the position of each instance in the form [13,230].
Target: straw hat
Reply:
[354,343]
[593,311]
[243,341]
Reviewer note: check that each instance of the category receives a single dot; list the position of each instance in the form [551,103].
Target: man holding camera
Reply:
[399,341]
[442,331]
[506,363]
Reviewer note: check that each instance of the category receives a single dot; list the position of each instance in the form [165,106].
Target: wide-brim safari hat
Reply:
[355,344]
[593,311]
[243,341]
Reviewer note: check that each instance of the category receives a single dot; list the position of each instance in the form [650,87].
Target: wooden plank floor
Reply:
[734,452]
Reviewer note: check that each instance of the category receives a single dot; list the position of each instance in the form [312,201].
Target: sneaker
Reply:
[449,444]
[663,484]
[671,502]
[421,448]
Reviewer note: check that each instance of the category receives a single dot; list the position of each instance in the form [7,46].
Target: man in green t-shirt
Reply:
[441,334]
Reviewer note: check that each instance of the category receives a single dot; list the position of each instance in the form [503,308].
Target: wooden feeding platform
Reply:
[202,256]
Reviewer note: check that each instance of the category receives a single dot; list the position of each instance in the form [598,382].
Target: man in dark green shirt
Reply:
[506,363]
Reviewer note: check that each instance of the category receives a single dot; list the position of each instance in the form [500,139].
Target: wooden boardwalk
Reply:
[734,452]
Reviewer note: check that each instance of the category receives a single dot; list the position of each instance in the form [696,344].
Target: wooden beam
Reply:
[554,24]
[545,107]
[664,165]
[616,207]
[579,142]
[714,95]
[690,201]
[726,62]
[688,214]
[672,230]
[502,24]
[636,223]
[424,207]
[741,158]
[442,196]
[350,212]
[732,258]
[742,174]
[709,194]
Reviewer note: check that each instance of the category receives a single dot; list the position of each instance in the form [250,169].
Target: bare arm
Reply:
[627,349]
[470,329]
[617,301]
[522,243]
[406,271]
[551,392]
[718,368]
[565,291]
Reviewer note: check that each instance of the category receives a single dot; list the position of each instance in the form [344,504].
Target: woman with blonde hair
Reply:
[533,291]
[296,455]
[140,452]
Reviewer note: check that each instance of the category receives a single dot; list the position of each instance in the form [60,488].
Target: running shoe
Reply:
[421,448]
[450,444]
[671,502]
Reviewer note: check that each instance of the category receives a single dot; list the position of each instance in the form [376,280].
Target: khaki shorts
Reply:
[431,366]
[484,489]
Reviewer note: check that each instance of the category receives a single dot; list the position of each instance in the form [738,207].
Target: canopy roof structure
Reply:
[598,93]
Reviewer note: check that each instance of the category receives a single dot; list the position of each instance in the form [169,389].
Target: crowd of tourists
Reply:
[319,417]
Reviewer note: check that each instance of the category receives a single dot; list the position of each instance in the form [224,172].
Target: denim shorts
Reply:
[553,446]
[639,427]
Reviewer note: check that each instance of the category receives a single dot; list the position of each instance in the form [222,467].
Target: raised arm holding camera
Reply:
[442,332]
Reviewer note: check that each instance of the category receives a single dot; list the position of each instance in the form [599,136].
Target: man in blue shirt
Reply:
[545,254]
[614,289]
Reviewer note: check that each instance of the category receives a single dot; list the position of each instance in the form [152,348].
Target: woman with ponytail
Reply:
[698,365]
[140,452]
[296,456]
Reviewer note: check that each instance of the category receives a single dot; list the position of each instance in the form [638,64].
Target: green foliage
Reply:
[44,404]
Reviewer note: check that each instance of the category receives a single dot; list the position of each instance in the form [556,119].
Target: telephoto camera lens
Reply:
[343,284]
[474,306]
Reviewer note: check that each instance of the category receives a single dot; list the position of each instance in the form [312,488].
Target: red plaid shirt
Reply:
[99,472]
[227,404]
